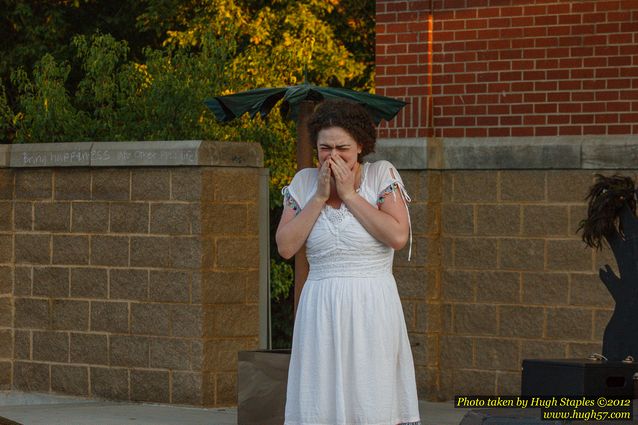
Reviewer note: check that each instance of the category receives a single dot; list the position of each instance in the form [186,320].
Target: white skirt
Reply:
[351,361]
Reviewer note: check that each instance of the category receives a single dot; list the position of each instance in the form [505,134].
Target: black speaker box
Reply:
[578,377]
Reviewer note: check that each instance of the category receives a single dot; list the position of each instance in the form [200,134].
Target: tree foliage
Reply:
[109,70]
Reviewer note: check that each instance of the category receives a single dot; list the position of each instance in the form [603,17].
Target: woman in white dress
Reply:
[351,362]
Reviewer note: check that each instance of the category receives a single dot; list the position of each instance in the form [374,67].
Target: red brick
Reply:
[558,119]
[522,109]
[559,97]
[606,118]
[486,12]
[618,106]
[569,107]
[569,19]
[545,85]
[619,129]
[497,110]
[546,63]
[593,107]
[534,32]
[557,74]
[594,129]
[629,118]
[499,65]
[619,84]
[570,85]
[607,5]
[385,17]
[619,61]
[582,96]
[534,119]
[580,7]
[582,73]
[594,40]
[582,119]
[570,130]
[511,120]
[535,10]
[514,32]
[620,39]
[583,29]
[582,51]
[522,131]
[545,20]
[560,52]
[498,132]
[487,34]
[476,132]
[545,131]
[595,62]
[452,132]
[486,120]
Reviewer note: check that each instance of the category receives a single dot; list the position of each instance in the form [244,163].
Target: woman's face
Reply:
[338,142]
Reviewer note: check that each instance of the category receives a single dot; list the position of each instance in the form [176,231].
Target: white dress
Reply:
[351,361]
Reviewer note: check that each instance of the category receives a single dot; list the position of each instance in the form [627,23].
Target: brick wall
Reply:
[488,68]
[129,283]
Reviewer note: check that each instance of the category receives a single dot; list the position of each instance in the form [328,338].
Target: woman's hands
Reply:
[344,177]
[323,182]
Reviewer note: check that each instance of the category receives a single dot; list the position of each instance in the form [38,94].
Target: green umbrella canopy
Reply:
[227,108]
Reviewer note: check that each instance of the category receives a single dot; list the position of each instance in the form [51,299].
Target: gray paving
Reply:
[45,409]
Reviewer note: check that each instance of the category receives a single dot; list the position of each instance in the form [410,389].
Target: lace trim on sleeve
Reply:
[289,201]
[394,188]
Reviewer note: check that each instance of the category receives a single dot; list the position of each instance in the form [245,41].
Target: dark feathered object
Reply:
[606,199]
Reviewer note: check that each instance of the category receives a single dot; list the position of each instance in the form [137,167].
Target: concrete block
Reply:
[458,285]
[546,220]
[186,253]
[52,216]
[6,344]
[474,186]
[172,219]
[128,351]
[111,184]
[6,280]
[569,255]
[89,348]
[150,319]
[521,254]
[498,220]
[21,345]
[237,252]
[224,287]
[23,215]
[498,287]
[89,217]
[89,282]
[70,249]
[29,376]
[50,155]
[29,248]
[497,354]
[7,180]
[545,288]
[569,324]
[72,380]
[457,219]
[170,353]
[538,349]
[34,184]
[110,250]
[150,251]
[109,317]
[169,286]
[70,315]
[6,249]
[110,383]
[51,281]
[475,253]
[150,184]
[187,321]
[128,284]
[587,289]
[521,321]
[150,386]
[129,217]
[186,184]
[522,185]
[475,319]
[49,346]
[6,216]
[72,184]
[32,313]
[186,388]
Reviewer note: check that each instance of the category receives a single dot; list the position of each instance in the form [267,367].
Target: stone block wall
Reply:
[498,272]
[131,282]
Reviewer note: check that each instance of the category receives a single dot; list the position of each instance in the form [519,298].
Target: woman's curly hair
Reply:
[349,116]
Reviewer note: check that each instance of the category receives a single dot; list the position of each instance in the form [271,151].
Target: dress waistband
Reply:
[329,268]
